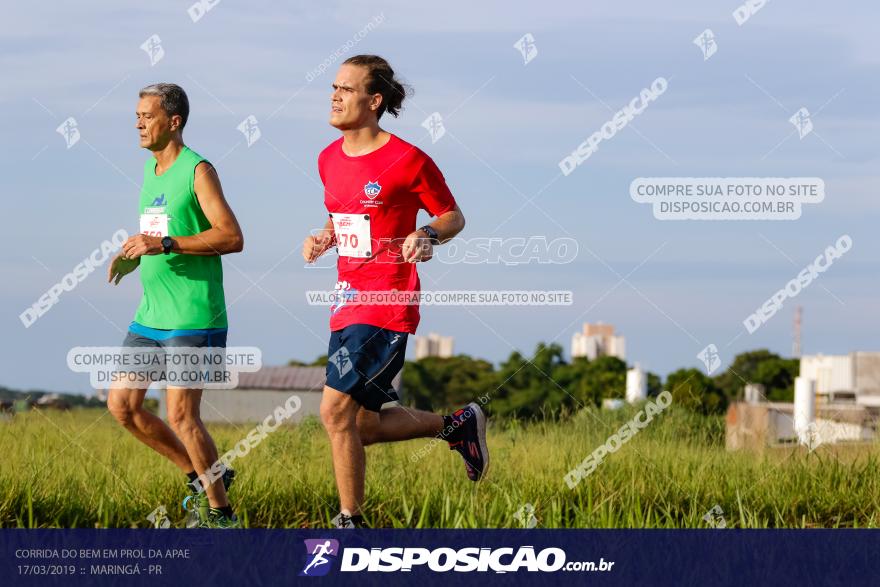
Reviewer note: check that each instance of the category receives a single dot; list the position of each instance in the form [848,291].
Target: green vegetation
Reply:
[72,399]
[81,469]
[546,385]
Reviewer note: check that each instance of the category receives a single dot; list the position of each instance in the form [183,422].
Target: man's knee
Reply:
[123,412]
[182,421]
[338,414]
[123,406]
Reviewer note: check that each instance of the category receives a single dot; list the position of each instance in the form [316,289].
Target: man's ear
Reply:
[376,102]
[176,121]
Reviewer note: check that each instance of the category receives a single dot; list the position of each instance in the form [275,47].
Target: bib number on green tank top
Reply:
[154,222]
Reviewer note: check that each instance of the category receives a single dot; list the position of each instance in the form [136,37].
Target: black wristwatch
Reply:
[167,243]
[432,234]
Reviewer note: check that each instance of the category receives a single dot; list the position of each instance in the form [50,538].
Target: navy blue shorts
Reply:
[362,362]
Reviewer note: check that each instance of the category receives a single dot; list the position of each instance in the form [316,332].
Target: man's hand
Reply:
[316,245]
[141,244]
[120,267]
[417,247]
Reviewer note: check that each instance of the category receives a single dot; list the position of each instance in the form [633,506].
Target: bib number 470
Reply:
[348,240]
[352,235]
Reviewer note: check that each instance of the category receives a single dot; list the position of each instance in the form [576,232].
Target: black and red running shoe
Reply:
[468,437]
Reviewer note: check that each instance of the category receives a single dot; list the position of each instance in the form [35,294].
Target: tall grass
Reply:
[81,469]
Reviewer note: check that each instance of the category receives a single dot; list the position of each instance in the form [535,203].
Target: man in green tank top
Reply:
[185,225]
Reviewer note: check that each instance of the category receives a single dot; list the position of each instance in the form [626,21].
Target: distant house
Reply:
[259,393]
[53,401]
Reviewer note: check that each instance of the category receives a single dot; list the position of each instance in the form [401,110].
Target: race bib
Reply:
[154,222]
[352,235]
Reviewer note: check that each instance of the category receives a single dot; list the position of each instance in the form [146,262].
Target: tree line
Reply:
[546,385]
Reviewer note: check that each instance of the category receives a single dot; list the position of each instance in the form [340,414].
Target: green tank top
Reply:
[180,291]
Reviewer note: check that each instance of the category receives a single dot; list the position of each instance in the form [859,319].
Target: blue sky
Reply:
[508,125]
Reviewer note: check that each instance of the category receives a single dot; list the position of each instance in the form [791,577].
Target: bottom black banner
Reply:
[596,557]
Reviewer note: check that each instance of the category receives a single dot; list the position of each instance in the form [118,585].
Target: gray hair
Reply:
[174,100]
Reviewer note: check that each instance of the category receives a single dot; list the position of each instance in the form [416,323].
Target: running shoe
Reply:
[217,519]
[469,439]
[196,503]
[346,522]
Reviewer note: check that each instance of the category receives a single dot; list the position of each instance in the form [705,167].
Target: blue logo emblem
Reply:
[372,189]
[343,292]
[160,201]
[341,359]
[320,553]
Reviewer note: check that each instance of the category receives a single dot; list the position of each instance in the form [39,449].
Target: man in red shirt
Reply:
[374,185]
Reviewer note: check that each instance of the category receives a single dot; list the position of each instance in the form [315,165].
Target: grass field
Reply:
[80,469]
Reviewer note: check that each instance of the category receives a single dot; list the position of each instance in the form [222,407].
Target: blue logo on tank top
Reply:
[372,189]
[160,201]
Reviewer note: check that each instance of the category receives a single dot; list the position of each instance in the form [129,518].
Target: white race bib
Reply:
[352,235]
[154,222]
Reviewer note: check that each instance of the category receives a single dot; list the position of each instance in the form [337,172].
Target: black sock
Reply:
[192,476]
[226,510]
[449,433]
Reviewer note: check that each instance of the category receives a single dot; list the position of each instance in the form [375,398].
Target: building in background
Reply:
[853,376]
[258,394]
[836,399]
[598,340]
[434,345]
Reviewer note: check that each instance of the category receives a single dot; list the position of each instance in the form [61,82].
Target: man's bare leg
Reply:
[185,419]
[398,423]
[127,406]
[339,415]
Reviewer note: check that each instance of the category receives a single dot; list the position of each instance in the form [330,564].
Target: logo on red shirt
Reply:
[372,189]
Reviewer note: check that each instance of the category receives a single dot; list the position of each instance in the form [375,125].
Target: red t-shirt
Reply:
[373,200]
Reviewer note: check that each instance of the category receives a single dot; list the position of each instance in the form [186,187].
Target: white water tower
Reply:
[636,385]
[804,408]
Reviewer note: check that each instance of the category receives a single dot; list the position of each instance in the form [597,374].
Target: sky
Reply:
[670,287]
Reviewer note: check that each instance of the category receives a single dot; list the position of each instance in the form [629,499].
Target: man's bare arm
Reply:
[417,246]
[223,237]
[315,245]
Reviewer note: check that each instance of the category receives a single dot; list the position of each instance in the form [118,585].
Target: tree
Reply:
[777,377]
[321,361]
[761,366]
[607,378]
[655,384]
[696,391]
[435,383]
[530,388]
[420,388]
